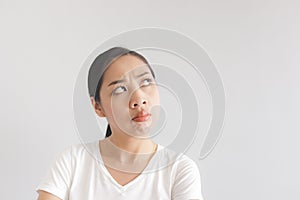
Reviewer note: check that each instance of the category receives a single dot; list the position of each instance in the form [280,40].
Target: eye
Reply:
[119,90]
[146,82]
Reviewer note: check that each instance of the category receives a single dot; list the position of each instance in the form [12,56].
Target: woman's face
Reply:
[129,96]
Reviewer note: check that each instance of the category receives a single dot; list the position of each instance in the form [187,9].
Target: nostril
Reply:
[137,104]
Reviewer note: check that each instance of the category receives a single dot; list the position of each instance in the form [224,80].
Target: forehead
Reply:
[125,65]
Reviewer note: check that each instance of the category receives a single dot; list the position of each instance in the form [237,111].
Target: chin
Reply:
[139,130]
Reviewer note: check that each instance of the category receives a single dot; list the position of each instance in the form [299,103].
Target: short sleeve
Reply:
[58,178]
[187,183]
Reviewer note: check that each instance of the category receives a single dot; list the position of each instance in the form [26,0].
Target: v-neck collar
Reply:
[120,187]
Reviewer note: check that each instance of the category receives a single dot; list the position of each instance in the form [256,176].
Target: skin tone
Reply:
[121,102]
[130,97]
[128,90]
[47,196]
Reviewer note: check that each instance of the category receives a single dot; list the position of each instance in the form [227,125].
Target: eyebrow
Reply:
[123,80]
[142,74]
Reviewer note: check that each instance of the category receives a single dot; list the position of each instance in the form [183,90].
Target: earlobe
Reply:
[97,108]
[100,112]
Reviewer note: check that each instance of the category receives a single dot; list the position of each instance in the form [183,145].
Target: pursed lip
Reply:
[142,116]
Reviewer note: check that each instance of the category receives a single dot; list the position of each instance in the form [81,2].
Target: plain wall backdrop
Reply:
[254,44]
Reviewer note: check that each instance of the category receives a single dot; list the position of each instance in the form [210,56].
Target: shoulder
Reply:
[187,168]
[178,164]
[76,153]
[179,160]
[187,181]
[67,165]
[185,175]
[186,162]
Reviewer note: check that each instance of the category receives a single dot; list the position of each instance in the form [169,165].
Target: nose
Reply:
[137,100]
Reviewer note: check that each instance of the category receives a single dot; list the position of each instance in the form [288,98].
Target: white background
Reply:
[254,44]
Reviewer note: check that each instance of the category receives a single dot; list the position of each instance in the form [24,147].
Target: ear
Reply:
[97,108]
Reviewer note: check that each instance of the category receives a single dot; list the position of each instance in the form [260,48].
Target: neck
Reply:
[126,158]
[132,144]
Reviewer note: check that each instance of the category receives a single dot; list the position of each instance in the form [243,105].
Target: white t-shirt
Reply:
[79,174]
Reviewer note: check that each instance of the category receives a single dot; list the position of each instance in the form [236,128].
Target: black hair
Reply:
[99,66]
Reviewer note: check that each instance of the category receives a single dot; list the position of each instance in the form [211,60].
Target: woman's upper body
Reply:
[126,165]
[80,173]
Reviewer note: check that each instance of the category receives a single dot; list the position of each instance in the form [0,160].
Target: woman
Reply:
[127,164]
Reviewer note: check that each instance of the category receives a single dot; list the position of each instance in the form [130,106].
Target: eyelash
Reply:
[114,91]
[150,81]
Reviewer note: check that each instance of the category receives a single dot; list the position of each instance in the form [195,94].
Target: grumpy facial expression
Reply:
[129,97]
